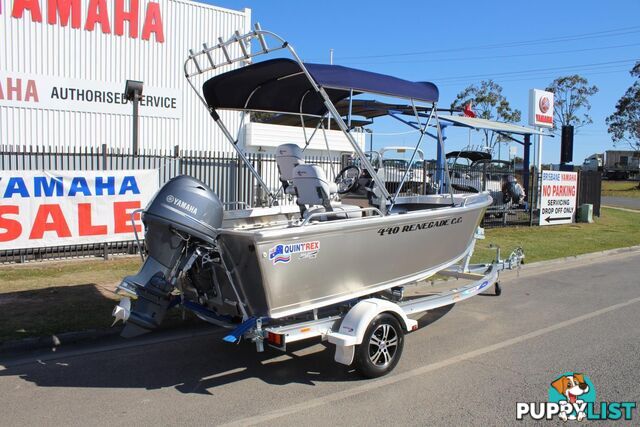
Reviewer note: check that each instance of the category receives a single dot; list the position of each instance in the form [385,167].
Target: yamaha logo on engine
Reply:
[173,200]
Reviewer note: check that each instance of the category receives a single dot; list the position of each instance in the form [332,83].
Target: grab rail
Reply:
[334,213]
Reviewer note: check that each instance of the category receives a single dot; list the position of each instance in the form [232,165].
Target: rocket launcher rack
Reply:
[226,52]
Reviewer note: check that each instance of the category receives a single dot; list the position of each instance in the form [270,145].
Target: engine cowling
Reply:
[183,210]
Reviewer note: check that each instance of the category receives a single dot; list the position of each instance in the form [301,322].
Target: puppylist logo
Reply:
[572,397]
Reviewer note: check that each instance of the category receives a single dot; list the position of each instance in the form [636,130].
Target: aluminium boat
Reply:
[277,261]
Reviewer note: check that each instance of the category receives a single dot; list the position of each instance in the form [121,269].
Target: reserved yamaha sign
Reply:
[540,108]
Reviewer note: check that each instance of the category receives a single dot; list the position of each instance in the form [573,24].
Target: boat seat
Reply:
[288,156]
[313,189]
[346,211]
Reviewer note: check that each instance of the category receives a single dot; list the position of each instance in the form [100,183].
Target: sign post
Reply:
[558,197]
[540,116]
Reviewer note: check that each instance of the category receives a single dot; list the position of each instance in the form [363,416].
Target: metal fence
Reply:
[590,189]
[224,173]
[229,178]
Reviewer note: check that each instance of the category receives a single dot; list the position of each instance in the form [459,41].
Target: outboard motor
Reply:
[182,212]
[512,191]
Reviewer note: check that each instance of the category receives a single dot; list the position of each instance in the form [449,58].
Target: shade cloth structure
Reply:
[484,124]
[280,85]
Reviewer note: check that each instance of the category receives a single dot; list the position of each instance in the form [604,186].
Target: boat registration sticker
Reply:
[282,252]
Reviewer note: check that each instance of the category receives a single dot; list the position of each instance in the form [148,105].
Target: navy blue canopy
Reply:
[279,85]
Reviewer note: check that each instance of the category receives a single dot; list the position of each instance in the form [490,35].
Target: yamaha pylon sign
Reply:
[540,108]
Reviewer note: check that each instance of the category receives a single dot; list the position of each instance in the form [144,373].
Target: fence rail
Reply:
[227,176]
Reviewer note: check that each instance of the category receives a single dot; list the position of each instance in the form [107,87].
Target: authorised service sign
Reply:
[558,197]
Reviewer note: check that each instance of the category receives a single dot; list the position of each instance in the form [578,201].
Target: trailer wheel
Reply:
[497,290]
[381,347]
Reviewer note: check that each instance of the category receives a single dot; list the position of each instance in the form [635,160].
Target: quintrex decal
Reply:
[420,226]
[281,253]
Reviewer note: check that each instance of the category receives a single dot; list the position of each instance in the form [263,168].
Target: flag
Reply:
[468,112]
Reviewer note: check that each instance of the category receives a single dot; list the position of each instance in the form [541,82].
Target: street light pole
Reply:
[133,92]
[135,126]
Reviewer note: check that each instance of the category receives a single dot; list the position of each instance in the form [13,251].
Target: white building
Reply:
[64,63]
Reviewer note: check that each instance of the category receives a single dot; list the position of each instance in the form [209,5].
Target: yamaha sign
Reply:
[540,108]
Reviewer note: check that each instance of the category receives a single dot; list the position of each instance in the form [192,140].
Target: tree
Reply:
[624,123]
[571,94]
[489,103]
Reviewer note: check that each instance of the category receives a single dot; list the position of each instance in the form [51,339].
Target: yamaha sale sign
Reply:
[58,208]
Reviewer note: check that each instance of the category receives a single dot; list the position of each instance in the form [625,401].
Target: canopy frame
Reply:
[204,60]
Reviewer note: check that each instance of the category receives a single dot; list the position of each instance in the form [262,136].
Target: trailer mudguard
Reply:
[355,323]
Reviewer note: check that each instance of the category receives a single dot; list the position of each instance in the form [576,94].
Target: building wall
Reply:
[266,137]
[39,53]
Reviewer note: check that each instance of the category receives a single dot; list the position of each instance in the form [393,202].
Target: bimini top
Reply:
[279,85]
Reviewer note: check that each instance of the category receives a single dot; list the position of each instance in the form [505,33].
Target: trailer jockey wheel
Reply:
[381,347]
[347,179]
[497,289]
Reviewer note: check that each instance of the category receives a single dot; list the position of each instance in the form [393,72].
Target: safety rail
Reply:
[335,213]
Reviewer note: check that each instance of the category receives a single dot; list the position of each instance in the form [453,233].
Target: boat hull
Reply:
[294,269]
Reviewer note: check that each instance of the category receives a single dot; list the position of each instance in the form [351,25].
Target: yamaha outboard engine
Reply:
[512,191]
[183,211]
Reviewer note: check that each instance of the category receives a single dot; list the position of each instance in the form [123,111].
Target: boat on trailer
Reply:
[319,267]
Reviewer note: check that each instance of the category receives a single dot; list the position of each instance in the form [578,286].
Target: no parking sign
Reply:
[558,197]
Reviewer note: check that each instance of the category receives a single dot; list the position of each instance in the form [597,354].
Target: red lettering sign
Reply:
[64,9]
[544,119]
[122,216]
[12,228]
[153,23]
[19,6]
[85,226]
[59,12]
[41,223]
[131,17]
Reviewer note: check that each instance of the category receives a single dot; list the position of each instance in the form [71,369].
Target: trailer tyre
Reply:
[381,347]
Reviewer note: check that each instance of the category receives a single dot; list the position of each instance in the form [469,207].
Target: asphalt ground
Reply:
[621,202]
[467,365]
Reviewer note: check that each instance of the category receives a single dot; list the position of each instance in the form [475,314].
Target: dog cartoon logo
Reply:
[574,389]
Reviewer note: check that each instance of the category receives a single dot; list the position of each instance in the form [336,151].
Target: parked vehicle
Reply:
[319,268]
[615,164]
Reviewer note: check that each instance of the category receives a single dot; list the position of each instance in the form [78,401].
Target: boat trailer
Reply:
[351,324]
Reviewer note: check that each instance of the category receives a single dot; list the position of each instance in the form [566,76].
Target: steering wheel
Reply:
[347,179]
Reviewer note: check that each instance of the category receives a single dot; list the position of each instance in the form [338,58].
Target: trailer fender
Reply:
[355,323]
